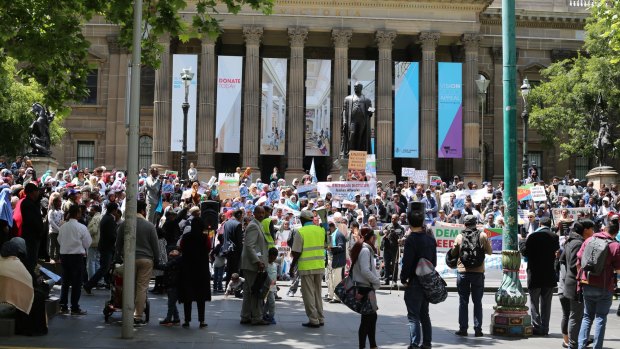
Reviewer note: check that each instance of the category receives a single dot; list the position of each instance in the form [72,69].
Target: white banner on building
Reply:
[180,62]
[228,109]
[318,107]
[273,106]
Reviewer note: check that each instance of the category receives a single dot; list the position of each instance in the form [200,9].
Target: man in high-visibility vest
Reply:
[309,252]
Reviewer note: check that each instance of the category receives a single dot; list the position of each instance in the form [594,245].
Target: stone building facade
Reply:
[432,31]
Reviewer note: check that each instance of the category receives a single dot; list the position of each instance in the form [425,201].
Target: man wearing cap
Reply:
[470,280]
[391,234]
[540,249]
[604,210]
[309,253]
[582,230]
[430,205]
[598,289]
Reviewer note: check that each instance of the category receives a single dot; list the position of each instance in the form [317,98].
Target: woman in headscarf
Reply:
[292,203]
[195,282]
[6,215]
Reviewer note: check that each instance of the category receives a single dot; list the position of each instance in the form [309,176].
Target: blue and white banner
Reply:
[407,110]
[450,110]
[180,62]
[228,109]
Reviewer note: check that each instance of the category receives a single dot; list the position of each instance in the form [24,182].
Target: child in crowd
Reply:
[171,283]
[235,286]
[219,262]
[269,308]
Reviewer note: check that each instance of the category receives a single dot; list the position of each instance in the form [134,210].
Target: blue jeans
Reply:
[105,262]
[597,302]
[417,314]
[92,261]
[466,284]
[218,277]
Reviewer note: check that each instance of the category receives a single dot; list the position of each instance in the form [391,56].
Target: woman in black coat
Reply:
[195,278]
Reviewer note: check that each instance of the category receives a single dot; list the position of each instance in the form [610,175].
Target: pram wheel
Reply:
[147,311]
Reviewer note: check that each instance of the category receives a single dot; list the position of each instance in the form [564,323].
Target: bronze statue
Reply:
[602,144]
[40,140]
[356,113]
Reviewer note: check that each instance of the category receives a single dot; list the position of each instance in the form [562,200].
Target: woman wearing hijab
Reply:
[6,215]
[364,273]
[195,282]
[292,203]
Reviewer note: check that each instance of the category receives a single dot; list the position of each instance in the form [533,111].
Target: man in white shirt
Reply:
[74,240]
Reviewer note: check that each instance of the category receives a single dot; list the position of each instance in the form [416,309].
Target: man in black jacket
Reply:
[582,230]
[391,233]
[33,229]
[419,244]
[171,228]
[336,260]
[106,247]
[233,244]
[540,249]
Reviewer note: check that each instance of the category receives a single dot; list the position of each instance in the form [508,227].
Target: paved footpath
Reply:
[340,331]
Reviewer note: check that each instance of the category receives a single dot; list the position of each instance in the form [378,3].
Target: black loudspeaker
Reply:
[209,212]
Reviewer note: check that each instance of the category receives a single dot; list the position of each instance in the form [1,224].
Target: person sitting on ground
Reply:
[235,286]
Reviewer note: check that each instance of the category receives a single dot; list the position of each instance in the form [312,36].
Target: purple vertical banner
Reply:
[450,110]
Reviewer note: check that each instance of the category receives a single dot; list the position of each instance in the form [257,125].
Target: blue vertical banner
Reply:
[450,110]
[407,110]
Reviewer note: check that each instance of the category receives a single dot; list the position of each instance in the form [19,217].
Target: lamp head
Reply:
[187,75]
[525,88]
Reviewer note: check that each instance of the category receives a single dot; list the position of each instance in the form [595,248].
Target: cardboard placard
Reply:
[407,172]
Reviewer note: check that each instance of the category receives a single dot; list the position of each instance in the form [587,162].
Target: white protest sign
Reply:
[573,213]
[445,234]
[407,172]
[563,190]
[538,193]
[346,190]
[420,176]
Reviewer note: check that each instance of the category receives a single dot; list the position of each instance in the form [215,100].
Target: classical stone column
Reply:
[341,39]
[498,111]
[206,108]
[251,97]
[471,136]
[296,116]
[428,128]
[384,112]
[162,113]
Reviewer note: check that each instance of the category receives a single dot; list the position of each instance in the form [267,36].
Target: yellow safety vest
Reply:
[270,243]
[313,253]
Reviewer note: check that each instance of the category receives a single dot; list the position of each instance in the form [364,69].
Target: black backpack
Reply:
[471,251]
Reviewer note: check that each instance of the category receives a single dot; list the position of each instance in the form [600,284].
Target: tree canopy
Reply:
[46,36]
[563,105]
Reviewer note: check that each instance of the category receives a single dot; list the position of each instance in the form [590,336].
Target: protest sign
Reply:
[563,190]
[523,193]
[538,193]
[229,185]
[573,213]
[407,172]
[167,188]
[445,234]
[435,180]
[357,166]
[478,195]
[371,167]
[346,190]
[420,176]
[307,191]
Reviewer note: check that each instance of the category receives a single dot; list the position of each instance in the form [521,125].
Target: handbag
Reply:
[451,262]
[433,285]
[360,299]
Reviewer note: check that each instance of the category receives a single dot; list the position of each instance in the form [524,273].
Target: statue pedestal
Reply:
[602,175]
[42,164]
[515,323]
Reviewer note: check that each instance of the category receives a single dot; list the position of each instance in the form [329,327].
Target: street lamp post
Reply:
[186,76]
[525,116]
[483,85]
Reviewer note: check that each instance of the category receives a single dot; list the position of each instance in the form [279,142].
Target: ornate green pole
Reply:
[510,317]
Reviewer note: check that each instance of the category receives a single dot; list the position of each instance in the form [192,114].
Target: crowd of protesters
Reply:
[269,232]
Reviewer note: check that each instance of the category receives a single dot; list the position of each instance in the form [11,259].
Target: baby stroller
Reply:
[115,303]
